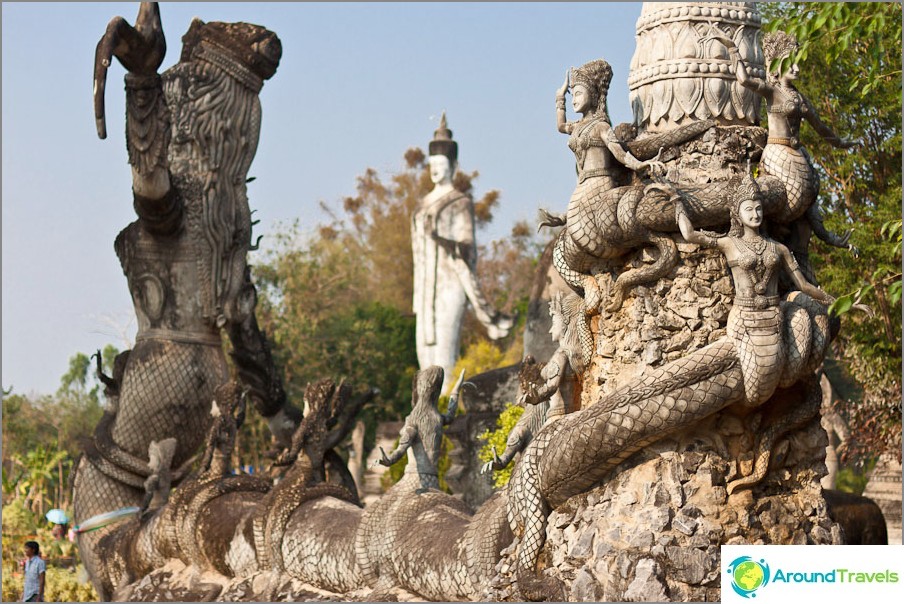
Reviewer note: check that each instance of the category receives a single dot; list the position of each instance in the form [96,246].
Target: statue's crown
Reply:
[595,75]
[442,143]
[250,53]
[778,44]
[748,189]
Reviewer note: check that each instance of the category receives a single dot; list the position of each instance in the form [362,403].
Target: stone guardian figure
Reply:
[191,134]
[445,263]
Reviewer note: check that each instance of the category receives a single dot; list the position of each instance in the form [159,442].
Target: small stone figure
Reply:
[783,155]
[836,429]
[531,420]
[422,434]
[228,412]
[157,486]
[445,263]
[556,393]
[570,331]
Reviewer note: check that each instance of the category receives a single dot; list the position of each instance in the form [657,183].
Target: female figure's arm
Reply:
[624,156]
[516,442]
[406,439]
[562,124]
[552,373]
[688,231]
[792,268]
[448,417]
[746,80]
[824,130]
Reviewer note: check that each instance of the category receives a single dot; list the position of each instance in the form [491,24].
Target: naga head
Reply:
[594,78]
[212,95]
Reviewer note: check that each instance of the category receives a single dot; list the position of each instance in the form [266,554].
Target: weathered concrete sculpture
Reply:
[445,261]
[768,357]
[191,135]
[608,215]
[783,156]
[555,390]
[692,421]
[768,345]
[415,540]
[836,429]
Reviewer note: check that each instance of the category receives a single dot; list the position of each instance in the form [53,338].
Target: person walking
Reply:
[35,571]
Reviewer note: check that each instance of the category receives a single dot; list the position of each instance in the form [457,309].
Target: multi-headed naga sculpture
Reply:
[191,135]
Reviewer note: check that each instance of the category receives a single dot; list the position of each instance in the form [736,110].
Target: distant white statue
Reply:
[445,262]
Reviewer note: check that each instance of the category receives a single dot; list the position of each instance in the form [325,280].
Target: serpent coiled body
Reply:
[578,451]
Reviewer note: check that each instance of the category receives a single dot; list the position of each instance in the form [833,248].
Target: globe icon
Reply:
[748,575]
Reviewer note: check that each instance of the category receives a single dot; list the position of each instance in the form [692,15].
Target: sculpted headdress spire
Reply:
[442,143]
[595,75]
[748,189]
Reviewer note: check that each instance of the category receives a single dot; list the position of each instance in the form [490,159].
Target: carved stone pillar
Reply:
[675,80]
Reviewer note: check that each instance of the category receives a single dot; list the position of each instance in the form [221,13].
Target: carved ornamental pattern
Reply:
[675,80]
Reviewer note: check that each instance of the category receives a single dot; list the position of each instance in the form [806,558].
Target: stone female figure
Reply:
[770,355]
[783,156]
[422,435]
[600,162]
[558,378]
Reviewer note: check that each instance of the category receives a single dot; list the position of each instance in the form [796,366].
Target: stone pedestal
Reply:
[884,487]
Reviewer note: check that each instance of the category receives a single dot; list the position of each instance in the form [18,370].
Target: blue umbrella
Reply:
[57,517]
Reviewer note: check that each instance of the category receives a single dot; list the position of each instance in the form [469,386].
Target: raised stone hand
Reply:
[140,50]
[713,33]
[495,464]
[383,461]
[565,87]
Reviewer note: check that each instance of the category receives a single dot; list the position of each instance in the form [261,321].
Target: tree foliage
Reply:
[850,59]
[42,439]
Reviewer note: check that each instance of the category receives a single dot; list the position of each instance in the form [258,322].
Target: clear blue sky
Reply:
[358,84]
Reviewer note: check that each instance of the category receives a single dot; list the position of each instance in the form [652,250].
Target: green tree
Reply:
[850,59]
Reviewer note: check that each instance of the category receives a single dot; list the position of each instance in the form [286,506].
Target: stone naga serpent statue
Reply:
[773,346]
[609,216]
[191,134]
[415,537]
